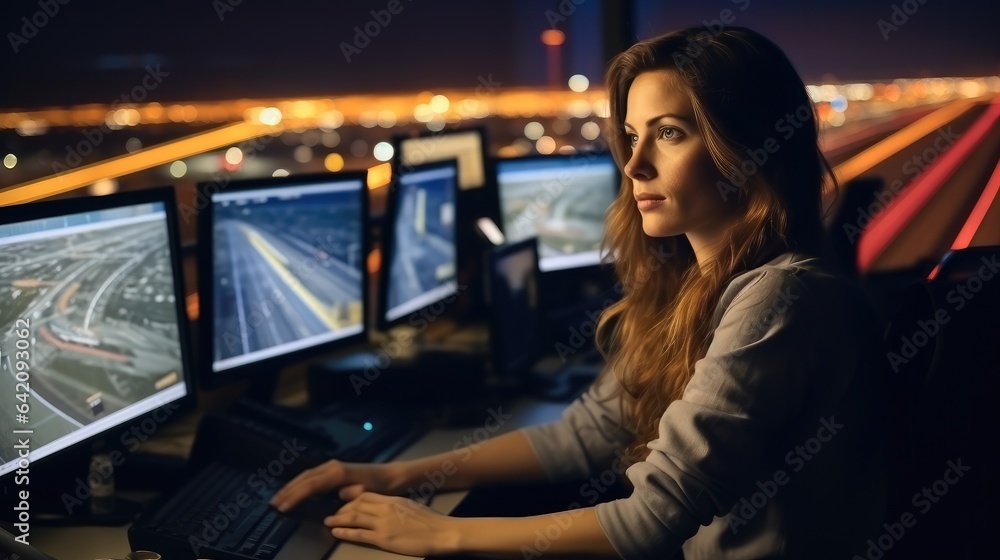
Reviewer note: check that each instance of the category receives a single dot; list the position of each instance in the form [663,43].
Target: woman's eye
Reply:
[632,139]
[669,133]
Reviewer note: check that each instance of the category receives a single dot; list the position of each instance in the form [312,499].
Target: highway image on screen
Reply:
[422,268]
[286,270]
[97,295]
[561,201]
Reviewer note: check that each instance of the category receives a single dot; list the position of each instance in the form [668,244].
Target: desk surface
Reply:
[87,543]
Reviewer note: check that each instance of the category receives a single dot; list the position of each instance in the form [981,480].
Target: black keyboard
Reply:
[222,513]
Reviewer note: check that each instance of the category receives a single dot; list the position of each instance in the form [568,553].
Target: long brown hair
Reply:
[747,99]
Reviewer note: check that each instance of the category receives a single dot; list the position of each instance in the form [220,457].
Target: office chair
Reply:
[848,221]
[942,411]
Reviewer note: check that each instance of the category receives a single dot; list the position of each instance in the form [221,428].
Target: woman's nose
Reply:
[639,167]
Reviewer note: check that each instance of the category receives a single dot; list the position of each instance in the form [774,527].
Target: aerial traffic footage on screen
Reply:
[422,266]
[94,294]
[562,201]
[287,270]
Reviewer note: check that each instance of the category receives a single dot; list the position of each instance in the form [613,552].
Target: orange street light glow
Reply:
[553,37]
[161,154]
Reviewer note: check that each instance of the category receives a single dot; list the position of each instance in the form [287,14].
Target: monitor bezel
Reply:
[522,366]
[587,154]
[78,205]
[388,243]
[206,321]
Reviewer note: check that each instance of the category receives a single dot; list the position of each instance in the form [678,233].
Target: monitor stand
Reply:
[263,389]
[405,367]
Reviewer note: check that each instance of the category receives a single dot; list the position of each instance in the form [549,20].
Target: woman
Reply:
[742,373]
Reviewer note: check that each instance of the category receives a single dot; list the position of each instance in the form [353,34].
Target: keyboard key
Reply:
[242,526]
[276,538]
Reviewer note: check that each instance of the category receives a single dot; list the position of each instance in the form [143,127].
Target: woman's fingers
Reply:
[352,492]
[312,481]
[371,508]
[392,523]
[353,518]
[363,536]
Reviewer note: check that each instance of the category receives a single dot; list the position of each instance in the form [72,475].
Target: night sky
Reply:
[94,51]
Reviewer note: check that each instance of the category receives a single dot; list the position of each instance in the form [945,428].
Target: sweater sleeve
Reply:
[712,440]
[586,437]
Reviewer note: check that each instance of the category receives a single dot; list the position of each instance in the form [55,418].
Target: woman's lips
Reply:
[648,201]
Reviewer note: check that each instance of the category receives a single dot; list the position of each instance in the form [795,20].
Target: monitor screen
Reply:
[421,255]
[467,146]
[287,267]
[562,201]
[90,330]
[515,325]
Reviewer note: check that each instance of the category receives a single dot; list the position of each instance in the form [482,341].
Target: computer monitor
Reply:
[419,248]
[282,273]
[521,353]
[515,311]
[93,335]
[476,179]
[562,200]
[467,145]
[13,549]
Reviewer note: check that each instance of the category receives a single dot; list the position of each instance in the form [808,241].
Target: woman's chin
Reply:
[656,228]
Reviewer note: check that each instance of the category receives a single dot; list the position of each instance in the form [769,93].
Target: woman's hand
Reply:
[333,475]
[393,523]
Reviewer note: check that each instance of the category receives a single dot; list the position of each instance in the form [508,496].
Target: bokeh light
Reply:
[178,169]
[534,130]
[234,156]
[545,145]
[302,154]
[270,116]
[383,151]
[590,130]
[333,162]
[578,83]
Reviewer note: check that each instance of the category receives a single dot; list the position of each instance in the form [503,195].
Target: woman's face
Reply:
[674,180]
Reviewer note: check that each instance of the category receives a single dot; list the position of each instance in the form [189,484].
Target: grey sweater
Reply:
[775,448]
